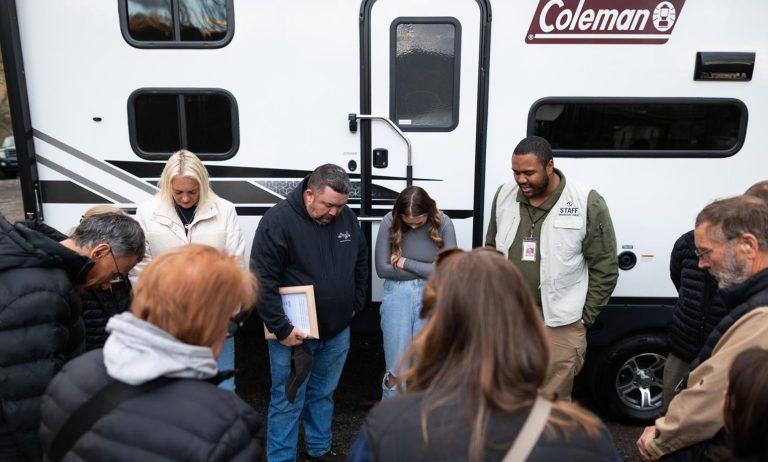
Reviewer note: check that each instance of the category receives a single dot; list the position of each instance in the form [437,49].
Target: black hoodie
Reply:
[291,249]
[41,326]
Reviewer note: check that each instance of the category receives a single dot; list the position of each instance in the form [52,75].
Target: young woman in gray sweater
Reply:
[410,236]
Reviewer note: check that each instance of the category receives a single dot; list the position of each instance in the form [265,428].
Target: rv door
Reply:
[422,71]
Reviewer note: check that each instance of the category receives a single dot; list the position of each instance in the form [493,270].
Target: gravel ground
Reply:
[10,200]
[359,386]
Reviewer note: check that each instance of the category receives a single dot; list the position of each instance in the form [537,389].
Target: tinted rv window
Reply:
[176,23]
[162,121]
[156,119]
[638,127]
[150,20]
[424,73]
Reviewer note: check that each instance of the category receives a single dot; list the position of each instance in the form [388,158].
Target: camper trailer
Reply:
[657,104]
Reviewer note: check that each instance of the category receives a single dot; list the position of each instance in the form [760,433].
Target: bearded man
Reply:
[731,238]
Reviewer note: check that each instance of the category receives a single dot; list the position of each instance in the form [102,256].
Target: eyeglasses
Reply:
[120,276]
[701,252]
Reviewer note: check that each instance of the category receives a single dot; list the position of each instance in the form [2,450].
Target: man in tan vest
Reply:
[560,236]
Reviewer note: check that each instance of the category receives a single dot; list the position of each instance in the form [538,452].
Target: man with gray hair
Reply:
[731,237]
[41,325]
[310,238]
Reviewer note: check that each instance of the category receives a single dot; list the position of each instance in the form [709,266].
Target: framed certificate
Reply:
[299,306]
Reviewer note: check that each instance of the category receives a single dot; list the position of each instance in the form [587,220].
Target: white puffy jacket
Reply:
[215,224]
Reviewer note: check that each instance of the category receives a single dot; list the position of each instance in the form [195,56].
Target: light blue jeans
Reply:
[226,362]
[400,321]
[314,400]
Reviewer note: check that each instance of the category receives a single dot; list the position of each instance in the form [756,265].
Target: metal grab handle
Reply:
[353,118]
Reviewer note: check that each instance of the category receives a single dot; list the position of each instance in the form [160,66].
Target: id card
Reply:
[529,249]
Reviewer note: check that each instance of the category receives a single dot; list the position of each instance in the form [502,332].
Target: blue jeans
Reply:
[400,321]
[226,362]
[314,400]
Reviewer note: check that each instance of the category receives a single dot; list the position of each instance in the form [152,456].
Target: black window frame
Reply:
[123,13]
[628,153]
[181,93]
[456,72]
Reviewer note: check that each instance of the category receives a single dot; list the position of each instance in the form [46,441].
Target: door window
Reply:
[424,73]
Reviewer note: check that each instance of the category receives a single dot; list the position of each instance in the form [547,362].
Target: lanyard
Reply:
[530,215]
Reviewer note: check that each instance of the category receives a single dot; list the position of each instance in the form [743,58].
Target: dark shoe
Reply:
[301,364]
[329,456]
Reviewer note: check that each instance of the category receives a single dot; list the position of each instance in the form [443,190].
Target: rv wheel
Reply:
[627,378]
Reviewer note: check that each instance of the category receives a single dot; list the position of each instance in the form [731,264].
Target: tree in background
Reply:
[5,111]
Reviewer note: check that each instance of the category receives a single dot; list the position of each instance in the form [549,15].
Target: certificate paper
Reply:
[299,306]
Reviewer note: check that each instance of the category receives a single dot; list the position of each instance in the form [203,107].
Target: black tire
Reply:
[627,378]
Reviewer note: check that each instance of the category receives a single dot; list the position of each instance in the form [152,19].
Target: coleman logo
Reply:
[604,21]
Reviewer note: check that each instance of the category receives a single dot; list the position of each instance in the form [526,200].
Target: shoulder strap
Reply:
[94,409]
[529,434]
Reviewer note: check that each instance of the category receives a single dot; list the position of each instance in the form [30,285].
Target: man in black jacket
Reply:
[311,238]
[41,325]
[698,310]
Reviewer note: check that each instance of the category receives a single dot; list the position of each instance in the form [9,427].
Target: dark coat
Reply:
[393,433]
[291,249]
[185,419]
[41,327]
[98,306]
[699,307]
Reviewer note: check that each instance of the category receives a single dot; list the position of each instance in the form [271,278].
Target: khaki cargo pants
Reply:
[568,346]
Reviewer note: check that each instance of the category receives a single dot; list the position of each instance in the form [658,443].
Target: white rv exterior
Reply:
[297,68]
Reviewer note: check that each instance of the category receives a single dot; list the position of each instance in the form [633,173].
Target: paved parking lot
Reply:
[358,389]
[10,200]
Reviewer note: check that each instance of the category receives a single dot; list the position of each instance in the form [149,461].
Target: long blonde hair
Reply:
[184,163]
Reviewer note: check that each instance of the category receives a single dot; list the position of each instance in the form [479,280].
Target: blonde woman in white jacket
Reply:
[187,211]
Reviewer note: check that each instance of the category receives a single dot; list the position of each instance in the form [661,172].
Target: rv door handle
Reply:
[353,118]
[380,158]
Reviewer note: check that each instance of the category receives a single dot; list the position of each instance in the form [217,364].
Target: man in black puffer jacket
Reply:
[170,339]
[41,325]
[698,310]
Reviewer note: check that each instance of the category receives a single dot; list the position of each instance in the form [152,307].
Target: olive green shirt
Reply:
[598,247]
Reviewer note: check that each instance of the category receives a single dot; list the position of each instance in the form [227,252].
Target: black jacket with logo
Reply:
[291,249]
[41,327]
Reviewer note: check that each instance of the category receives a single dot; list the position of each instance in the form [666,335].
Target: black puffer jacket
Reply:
[98,306]
[393,432]
[186,419]
[41,327]
[699,307]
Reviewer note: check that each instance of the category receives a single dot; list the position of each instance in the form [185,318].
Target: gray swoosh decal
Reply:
[96,163]
[74,176]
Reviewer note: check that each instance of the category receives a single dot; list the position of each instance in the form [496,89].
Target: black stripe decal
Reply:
[96,163]
[243,192]
[154,169]
[67,192]
[82,180]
